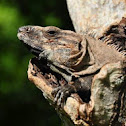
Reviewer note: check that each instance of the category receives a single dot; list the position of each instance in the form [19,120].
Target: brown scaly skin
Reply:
[70,55]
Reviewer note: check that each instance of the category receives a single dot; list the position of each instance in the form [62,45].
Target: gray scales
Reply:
[75,57]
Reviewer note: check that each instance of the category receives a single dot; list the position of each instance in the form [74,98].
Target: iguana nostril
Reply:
[22,29]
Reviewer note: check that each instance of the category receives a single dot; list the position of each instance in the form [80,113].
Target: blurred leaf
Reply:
[10,21]
[21,101]
[52,20]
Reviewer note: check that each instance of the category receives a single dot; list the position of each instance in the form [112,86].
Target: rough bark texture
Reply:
[95,17]
[107,105]
[108,92]
[98,18]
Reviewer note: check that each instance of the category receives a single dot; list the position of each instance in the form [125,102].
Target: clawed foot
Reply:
[61,93]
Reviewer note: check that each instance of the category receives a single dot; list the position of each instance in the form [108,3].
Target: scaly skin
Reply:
[69,54]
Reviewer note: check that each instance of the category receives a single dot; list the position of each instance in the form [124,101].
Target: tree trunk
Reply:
[104,20]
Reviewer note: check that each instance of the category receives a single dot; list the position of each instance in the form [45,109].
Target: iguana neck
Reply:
[96,52]
[103,53]
[84,58]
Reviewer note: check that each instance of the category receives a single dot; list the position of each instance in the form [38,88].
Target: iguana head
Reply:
[39,38]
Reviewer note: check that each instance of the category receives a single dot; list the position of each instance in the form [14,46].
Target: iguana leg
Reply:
[55,66]
[81,86]
[61,93]
[66,76]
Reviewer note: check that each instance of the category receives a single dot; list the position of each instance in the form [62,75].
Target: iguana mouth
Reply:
[34,50]
[24,38]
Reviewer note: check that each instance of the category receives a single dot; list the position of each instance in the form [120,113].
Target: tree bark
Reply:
[99,19]
[95,17]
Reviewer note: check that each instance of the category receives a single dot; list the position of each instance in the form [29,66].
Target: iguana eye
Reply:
[51,32]
[28,29]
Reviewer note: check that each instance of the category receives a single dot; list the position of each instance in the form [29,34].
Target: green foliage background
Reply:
[21,103]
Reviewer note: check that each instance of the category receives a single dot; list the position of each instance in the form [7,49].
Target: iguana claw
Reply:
[61,93]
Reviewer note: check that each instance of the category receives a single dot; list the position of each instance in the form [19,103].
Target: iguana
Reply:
[71,55]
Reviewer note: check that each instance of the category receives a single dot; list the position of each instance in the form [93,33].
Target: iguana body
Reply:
[68,51]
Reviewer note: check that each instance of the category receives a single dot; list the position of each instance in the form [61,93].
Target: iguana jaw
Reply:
[24,36]
[33,49]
